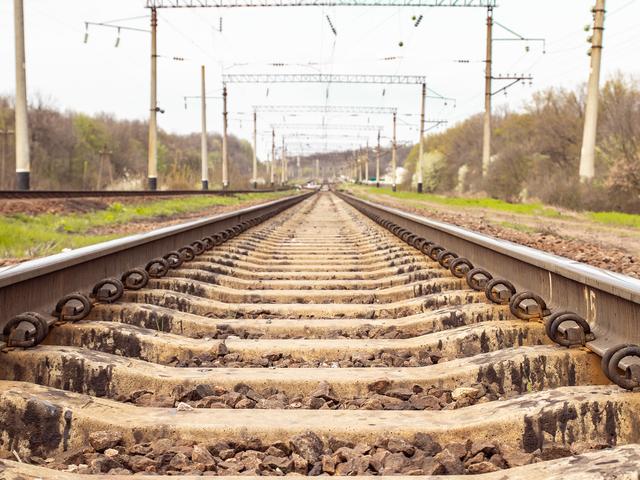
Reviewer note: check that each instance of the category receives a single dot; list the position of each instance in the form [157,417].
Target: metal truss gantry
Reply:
[321,78]
[325,109]
[317,3]
[327,126]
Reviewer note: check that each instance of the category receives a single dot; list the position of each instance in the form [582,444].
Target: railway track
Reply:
[44,194]
[320,335]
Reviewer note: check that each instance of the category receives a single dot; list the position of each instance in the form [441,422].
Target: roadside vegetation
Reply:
[28,236]
[533,209]
[536,152]
[467,202]
[74,151]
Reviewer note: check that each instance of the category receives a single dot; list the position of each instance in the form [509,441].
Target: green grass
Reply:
[518,226]
[37,235]
[535,209]
[615,218]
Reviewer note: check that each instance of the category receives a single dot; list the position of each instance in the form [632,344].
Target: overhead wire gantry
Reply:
[340,78]
[154,5]
[346,109]
[317,3]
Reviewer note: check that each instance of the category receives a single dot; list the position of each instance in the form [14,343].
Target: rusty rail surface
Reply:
[319,334]
[35,194]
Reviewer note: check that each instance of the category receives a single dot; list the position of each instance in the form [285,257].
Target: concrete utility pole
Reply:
[297,167]
[105,156]
[225,153]
[3,164]
[254,178]
[283,167]
[366,164]
[318,169]
[420,143]
[23,162]
[203,142]
[273,158]
[588,152]
[378,162]
[152,167]
[488,76]
[394,147]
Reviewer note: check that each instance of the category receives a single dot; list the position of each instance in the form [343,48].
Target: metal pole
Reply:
[378,162]
[203,142]
[152,167]
[225,155]
[394,147]
[273,158]
[420,142]
[488,77]
[588,152]
[23,163]
[255,148]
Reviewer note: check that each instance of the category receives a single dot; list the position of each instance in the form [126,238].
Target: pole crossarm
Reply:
[322,136]
[324,109]
[513,79]
[328,126]
[318,3]
[322,78]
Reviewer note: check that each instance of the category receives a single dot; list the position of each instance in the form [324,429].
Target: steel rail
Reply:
[610,302]
[37,285]
[21,194]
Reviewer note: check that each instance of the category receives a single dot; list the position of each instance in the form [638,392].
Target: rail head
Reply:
[608,300]
[37,284]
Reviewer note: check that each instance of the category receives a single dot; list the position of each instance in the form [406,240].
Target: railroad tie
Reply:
[317,341]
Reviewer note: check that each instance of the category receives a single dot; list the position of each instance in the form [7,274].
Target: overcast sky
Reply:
[97,77]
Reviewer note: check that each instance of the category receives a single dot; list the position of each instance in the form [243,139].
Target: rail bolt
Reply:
[630,380]
[198,247]
[108,290]
[460,266]
[135,278]
[434,250]
[173,258]
[568,329]
[528,305]
[73,307]
[187,253]
[218,238]
[477,278]
[499,291]
[26,330]
[207,243]
[158,267]
[445,257]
